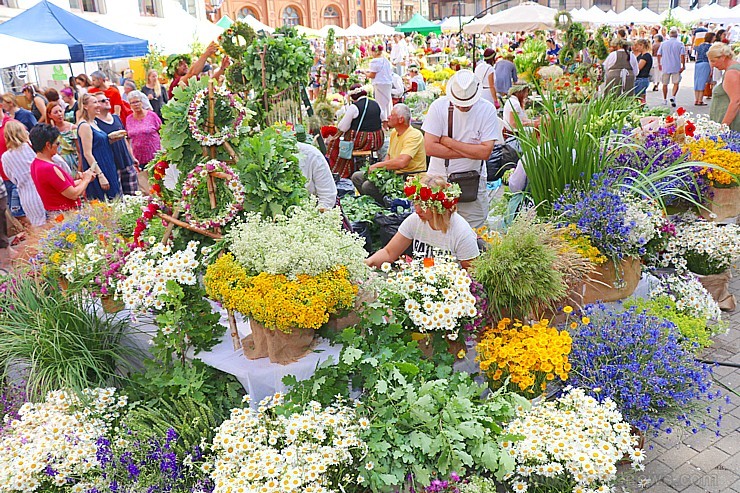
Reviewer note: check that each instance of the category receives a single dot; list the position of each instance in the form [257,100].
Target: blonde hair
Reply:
[157,86]
[440,222]
[15,134]
[84,115]
[718,50]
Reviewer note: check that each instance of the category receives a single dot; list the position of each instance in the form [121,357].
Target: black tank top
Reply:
[371,122]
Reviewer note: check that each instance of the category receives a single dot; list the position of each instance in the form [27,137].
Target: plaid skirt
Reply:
[129,180]
[364,141]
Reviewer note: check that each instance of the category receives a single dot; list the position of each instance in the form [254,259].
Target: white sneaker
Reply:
[665,102]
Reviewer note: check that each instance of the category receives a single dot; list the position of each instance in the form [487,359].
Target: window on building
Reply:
[291,17]
[189,6]
[458,9]
[331,16]
[359,19]
[89,6]
[149,8]
[245,11]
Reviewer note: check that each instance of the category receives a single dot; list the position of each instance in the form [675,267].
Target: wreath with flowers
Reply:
[226,124]
[229,198]
[439,198]
[231,39]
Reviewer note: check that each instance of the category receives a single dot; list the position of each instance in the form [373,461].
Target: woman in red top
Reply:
[58,191]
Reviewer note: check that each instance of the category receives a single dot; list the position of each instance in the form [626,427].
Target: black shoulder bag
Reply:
[467,180]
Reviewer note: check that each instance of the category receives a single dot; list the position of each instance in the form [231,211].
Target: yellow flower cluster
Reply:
[530,355]
[581,244]
[277,301]
[491,237]
[709,151]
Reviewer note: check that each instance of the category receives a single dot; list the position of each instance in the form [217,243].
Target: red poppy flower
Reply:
[425,193]
[680,111]
[439,195]
[669,119]
[689,129]
[409,190]
[447,203]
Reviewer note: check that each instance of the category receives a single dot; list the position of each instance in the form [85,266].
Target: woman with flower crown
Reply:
[435,226]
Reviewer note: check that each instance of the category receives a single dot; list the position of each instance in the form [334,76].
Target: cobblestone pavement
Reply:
[702,462]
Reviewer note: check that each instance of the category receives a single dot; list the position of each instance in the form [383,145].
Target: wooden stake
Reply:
[237,342]
[189,227]
[171,225]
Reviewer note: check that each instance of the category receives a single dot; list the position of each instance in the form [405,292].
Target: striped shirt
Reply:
[17,165]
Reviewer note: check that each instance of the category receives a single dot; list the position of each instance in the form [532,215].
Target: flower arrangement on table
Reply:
[317,449]
[229,116]
[702,247]
[53,443]
[715,151]
[572,444]
[419,102]
[569,88]
[430,295]
[640,362]
[289,275]
[164,282]
[678,126]
[229,192]
[524,356]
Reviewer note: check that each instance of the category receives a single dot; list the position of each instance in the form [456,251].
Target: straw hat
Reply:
[463,88]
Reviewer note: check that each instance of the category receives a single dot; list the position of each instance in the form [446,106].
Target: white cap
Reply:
[463,88]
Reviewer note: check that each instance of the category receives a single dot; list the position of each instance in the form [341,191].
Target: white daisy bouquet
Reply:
[318,450]
[434,294]
[571,444]
[702,247]
[53,443]
[691,297]
[644,218]
[148,272]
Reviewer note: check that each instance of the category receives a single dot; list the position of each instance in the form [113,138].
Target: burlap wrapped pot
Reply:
[281,347]
[601,285]
[718,286]
[725,204]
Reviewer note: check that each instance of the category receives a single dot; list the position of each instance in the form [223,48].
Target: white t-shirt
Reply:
[319,180]
[479,124]
[460,240]
[482,71]
[397,90]
[512,107]
[383,70]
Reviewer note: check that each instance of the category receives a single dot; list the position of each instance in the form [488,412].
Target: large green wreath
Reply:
[231,39]
[288,60]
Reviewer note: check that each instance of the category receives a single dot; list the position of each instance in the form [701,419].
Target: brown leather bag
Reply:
[708,90]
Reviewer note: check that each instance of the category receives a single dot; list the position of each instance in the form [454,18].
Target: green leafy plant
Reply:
[519,272]
[287,61]
[388,181]
[532,57]
[361,208]
[268,167]
[60,338]
[696,330]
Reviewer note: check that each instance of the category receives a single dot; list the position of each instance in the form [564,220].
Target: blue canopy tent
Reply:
[87,42]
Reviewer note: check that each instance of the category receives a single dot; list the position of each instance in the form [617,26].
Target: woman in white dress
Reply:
[484,72]
[381,73]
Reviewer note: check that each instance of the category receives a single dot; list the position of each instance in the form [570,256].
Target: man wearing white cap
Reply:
[475,129]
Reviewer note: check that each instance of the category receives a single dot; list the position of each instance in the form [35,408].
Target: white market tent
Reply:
[15,51]
[580,15]
[338,31]
[354,31]
[612,17]
[528,16]
[628,15]
[710,13]
[680,14]
[256,24]
[647,16]
[595,15]
[380,29]
[732,17]
[454,23]
[307,31]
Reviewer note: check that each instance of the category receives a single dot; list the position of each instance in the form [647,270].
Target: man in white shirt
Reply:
[475,129]
[672,62]
[319,180]
[399,54]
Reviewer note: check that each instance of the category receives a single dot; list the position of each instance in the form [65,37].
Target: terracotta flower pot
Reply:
[603,284]
[718,286]
[279,346]
[111,305]
[426,344]
[725,204]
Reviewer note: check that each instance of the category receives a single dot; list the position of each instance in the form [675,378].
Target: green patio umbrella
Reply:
[419,24]
[225,22]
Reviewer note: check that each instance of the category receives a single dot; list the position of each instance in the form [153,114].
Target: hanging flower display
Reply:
[196,203]
[224,128]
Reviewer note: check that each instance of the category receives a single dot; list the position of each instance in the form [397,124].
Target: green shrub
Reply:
[695,330]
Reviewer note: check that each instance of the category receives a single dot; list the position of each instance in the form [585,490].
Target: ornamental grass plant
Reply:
[640,362]
[58,338]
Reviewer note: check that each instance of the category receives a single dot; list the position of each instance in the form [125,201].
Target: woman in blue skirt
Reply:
[702,70]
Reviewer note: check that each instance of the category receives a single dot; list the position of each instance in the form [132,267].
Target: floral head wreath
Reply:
[356,91]
[439,198]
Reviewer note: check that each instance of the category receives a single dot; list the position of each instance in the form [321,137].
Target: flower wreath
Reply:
[227,131]
[229,40]
[439,198]
[195,183]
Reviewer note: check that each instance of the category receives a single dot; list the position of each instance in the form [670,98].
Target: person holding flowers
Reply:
[435,226]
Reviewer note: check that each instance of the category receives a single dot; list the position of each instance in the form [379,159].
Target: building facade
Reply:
[309,13]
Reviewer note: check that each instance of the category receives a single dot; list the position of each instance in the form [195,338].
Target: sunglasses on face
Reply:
[103,100]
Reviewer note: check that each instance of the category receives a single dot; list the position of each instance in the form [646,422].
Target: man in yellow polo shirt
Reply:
[406,154]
